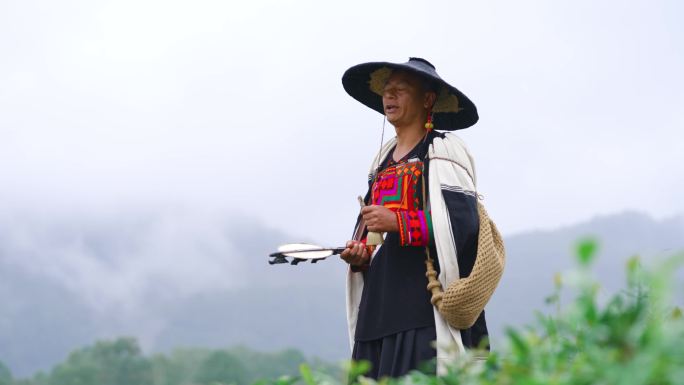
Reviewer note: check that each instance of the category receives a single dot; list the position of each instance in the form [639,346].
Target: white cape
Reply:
[451,167]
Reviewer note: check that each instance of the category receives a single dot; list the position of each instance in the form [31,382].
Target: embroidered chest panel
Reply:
[397,187]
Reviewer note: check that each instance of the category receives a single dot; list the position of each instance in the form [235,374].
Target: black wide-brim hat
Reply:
[452,109]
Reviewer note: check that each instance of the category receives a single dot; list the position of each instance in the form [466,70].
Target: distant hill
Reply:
[185,280]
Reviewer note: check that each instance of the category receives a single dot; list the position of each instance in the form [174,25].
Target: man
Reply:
[426,209]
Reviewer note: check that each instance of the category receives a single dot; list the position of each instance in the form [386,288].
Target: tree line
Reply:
[122,362]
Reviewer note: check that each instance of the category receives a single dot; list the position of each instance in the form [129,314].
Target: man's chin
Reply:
[391,120]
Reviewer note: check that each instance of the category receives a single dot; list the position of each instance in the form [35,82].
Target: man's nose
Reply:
[389,95]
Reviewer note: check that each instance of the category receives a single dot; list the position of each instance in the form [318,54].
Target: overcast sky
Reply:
[238,106]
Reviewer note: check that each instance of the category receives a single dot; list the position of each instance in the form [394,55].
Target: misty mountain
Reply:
[175,278]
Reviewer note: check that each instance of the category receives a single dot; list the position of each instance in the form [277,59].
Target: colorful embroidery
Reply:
[415,227]
[397,188]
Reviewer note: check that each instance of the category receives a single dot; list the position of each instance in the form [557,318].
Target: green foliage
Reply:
[39,379]
[5,375]
[307,375]
[261,365]
[118,362]
[121,362]
[221,368]
[634,338]
[356,369]
[586,251]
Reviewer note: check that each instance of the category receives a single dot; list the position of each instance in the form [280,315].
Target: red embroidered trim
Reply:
[400,222]
[414,229]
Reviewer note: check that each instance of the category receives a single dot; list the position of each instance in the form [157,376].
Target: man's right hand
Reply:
[355,254]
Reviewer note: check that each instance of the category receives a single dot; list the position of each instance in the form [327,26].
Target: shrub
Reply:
[635,337]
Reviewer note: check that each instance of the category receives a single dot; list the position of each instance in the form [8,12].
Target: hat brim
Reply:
[452,110]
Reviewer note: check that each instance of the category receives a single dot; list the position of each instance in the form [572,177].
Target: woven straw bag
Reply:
[465,298]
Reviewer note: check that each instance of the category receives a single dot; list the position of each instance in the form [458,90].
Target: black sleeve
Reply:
[465,225]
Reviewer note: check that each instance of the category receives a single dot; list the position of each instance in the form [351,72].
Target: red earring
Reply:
[429,126]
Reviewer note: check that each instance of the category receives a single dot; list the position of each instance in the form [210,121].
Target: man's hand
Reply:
[355,254]
[379,219]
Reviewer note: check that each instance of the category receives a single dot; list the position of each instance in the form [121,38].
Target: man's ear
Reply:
[430,98]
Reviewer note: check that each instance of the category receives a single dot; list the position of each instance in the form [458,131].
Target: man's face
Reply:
[403,99]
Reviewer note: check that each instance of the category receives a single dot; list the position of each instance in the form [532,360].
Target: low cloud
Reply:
[120,258]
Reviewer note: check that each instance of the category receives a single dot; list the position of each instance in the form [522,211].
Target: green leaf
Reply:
[518,343]
[358,368]
[286,380]
[307,375]
[586,250]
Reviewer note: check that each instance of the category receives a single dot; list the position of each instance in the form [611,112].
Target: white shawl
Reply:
[451,167]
